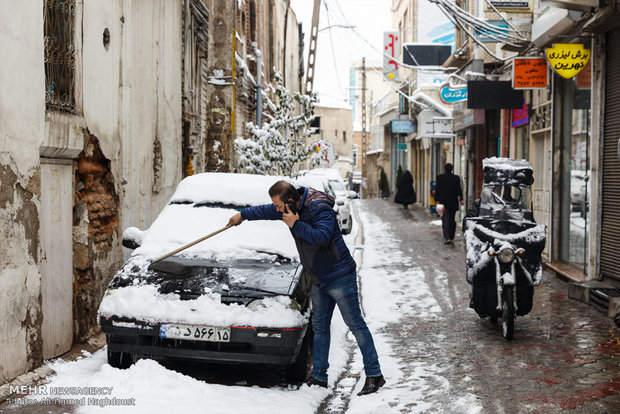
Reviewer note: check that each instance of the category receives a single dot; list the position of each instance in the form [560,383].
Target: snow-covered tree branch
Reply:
[278,145]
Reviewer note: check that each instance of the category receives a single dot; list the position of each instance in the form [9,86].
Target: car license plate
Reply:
[194,332]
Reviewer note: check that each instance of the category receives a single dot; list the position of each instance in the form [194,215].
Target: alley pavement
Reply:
[564,356]
[437,355]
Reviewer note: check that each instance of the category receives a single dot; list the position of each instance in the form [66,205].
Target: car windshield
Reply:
[198,276]
[336,185]
[505,197]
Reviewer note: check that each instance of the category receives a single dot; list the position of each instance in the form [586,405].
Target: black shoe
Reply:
[372,385]
[313,381]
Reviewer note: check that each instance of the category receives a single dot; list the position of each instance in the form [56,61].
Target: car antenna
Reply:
[189,245]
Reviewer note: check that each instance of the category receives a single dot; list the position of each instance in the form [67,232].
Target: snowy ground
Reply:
[149,387]
[386,279]
[437,355]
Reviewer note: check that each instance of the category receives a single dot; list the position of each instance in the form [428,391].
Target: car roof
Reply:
[225,188]
[203,203]
[330,173]
[313,181]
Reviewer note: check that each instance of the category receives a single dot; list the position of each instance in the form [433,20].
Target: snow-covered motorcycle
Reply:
[504,243]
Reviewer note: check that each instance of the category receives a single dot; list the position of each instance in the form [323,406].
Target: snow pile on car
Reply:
[203,203]
[235,189]
[144,302]
[179,224]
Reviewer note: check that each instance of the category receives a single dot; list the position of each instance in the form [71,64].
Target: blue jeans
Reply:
[341,291]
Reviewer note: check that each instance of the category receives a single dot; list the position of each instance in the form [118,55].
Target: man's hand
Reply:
[235,220]
[288,217]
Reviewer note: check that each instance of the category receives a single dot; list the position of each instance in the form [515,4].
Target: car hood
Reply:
[151,295]
[234,280]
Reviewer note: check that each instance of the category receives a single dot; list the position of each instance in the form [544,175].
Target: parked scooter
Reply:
[504,244]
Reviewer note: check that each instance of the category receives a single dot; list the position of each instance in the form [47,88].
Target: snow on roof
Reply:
[183,220]
[313,181]
[506,163]
[226,188]
[330,173]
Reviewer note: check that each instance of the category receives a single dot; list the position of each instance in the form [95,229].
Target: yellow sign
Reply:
[567,59]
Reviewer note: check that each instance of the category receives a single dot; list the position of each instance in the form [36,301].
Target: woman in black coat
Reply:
[405,193]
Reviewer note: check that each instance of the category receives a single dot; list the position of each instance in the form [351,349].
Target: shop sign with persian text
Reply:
[568,59]
[453,94]
[529,73]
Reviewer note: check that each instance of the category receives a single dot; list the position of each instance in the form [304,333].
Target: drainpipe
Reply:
[259,83]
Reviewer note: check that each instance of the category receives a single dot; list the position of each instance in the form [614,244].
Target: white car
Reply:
[343,196]
[321,184]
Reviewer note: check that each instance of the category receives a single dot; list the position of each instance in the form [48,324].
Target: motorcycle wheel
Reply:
[508,312]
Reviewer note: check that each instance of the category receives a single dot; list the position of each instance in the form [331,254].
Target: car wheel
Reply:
[121,360]
[297,372]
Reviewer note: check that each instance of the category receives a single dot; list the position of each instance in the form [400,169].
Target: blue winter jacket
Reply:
[318,238]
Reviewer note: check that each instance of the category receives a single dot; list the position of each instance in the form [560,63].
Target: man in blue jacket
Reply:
[312,221]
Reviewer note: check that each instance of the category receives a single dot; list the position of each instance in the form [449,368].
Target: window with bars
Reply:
[59,58]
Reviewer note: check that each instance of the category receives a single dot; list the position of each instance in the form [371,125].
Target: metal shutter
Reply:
[610,233]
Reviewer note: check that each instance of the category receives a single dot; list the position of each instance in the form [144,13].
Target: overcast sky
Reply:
[370,18]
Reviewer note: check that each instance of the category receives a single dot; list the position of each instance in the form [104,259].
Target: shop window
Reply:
[575,168]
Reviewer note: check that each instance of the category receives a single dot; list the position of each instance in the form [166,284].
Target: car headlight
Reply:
[257,304]
[507,255]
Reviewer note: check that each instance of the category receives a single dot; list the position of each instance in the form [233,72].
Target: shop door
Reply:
[610,224]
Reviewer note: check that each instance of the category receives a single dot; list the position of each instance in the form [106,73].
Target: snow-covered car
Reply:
[322,184]
[343,195]
[238,297]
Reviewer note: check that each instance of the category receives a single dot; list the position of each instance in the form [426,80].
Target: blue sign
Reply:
[401,146]
[449,95]
[402,126]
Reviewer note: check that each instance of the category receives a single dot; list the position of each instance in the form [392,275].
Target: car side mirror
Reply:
[352,194]
[132,237]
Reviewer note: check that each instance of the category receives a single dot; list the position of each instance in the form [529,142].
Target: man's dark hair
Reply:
[284,190]
[448,167]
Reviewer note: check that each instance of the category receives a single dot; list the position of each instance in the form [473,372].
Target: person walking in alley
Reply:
[449,193]
[405,193]
[310,216]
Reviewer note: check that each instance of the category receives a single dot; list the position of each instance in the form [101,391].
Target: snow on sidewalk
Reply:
[394,291]
[148,387]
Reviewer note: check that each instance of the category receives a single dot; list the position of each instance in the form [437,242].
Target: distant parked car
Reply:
[240,297]
[343,195]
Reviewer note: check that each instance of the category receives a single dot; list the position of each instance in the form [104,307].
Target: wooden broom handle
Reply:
[190,244]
